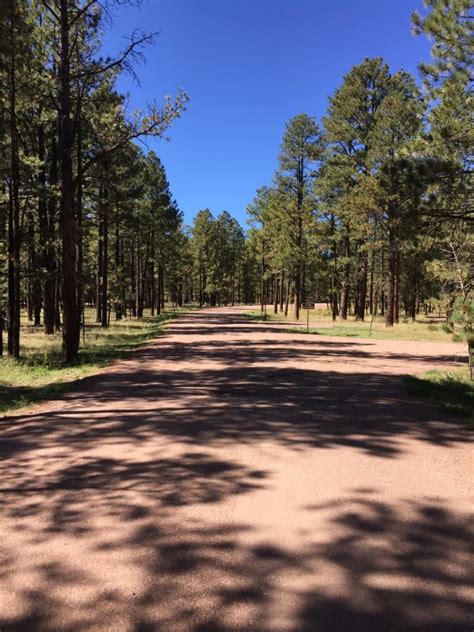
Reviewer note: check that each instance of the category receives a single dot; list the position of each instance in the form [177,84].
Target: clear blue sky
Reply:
[248,66]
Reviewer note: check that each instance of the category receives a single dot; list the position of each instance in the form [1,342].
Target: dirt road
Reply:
[233,477]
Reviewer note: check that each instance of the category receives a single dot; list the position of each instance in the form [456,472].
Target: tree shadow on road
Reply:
[401,568]
[100,523]
[295,407]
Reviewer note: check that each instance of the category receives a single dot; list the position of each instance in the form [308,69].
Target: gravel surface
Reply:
[233,477]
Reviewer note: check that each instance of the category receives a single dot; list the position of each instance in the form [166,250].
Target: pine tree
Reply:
[300,149]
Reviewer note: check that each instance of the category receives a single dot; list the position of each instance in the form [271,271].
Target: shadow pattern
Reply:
[96,499]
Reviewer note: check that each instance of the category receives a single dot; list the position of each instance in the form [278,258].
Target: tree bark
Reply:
[68,219]
[361,287]
[100,260]
[47,209]
[396,307]
[276,294]
[80,253]
[282,290]
[105,259]
[158,291]
[288,292]
[14,243]
[346,279]
[390,315]
[152,276]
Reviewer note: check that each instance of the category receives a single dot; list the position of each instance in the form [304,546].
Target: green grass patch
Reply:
[451,391]
[321,323]
[269,316]
[39,374]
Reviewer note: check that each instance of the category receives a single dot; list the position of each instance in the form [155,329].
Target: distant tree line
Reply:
[83,213]
[370,209]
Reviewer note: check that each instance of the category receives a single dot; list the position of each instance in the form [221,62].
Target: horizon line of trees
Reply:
[370,209]
[70,169]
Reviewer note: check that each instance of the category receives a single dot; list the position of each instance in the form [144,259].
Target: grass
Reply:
[40,375]
[321,323]
[451,391]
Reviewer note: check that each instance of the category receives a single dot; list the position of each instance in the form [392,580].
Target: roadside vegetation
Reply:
[451,391]
[321,323]
[40,374]
[370,206]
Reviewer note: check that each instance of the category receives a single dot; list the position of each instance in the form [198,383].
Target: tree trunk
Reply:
[80,253]
[100,261]
[276,294]
[138,282]
[158,291]
[152,276]
[105,259]
[201,285]
[34,285]
[413,300]
[47,210]
[288,292]
[382,284]
[361,287]
[162,287]
[346,279]
[14,207]
[57,303]
[390,316]
[68,219]
[396,307]
[282,290]
[297,293]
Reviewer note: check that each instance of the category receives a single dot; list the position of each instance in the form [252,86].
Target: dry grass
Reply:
[39,374]
[451,390]
[320,322]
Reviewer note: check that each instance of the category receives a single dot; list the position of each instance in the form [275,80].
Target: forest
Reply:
[370,208]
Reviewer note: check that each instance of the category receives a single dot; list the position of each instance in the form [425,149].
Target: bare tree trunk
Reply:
[138,282]
[34,285]
[57,302]
[413,302]
[162,287]
[47,230]
[396,307]
[297,293]
[105,259]
[361,286]
[133,269]
[276,294]
[201,285]
[288,292]
[152,276]
[382,284]
[282,290]
[80,253]
[68,219]
[14,243]
[158,292]
[100,260]
[390,316]
[346,279]
[371,289]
